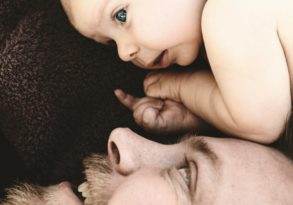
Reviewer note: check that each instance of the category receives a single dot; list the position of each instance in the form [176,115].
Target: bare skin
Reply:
[249,47]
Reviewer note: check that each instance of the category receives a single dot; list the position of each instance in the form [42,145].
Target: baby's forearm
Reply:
[200,93]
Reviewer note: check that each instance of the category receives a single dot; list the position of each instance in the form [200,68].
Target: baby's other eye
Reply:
[121,15]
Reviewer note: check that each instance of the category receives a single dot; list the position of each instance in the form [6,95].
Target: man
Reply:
[198,170]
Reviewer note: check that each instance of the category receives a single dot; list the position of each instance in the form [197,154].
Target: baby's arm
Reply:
[200,93]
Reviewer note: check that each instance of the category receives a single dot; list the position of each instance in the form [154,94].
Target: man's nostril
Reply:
[115,152]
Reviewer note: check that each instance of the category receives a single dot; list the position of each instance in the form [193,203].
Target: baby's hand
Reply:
[164,85]
[159,116]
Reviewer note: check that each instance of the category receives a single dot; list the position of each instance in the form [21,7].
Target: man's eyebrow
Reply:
[200,145]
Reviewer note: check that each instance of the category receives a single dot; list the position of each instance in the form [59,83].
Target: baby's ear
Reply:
[24,194]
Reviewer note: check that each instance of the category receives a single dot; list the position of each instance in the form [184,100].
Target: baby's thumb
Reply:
[149,119]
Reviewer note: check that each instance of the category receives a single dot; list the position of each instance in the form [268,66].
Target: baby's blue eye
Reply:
[121,15]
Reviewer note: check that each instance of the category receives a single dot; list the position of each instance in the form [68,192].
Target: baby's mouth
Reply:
[158,60]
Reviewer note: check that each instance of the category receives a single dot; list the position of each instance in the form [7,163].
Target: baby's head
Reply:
[151,33]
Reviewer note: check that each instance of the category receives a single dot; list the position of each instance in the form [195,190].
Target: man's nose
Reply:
[127,51]
[129,152]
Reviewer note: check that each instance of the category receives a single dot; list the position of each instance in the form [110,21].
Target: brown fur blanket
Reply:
[56,93]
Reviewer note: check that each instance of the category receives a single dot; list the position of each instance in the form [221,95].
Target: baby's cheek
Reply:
[159,28]
[187,53]
[160,36]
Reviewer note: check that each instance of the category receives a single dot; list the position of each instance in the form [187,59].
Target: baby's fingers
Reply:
[153,120]
[151,105]
[151,78]
[162,85]
[127,100]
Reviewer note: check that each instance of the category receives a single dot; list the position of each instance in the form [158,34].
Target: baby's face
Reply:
[150,33]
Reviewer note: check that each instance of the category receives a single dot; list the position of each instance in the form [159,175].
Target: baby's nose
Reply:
[129,152]
[127,52]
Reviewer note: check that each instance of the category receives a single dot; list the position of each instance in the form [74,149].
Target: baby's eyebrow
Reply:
[101,5]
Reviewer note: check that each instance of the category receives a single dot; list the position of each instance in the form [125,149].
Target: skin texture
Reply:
[247,93]
[222,171]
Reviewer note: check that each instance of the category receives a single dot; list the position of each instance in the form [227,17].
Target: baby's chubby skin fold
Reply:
[247,94]
[208,103]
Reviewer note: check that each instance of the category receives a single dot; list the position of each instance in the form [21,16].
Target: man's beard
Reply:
[97,187]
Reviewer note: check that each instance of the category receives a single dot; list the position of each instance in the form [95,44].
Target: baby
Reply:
[249,45]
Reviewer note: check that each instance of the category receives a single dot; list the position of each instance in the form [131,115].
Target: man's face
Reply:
[199,170]
[150,33]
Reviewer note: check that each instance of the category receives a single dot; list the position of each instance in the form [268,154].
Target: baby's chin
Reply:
[186,56]
[185,61]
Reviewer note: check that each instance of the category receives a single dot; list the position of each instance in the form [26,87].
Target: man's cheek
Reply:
[70,200]
[65,195]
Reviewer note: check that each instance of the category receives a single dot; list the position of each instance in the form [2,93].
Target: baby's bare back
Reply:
[262,15]
[285,31]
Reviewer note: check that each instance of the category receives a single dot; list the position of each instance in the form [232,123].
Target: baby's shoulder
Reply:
[231,18]
[248,9]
